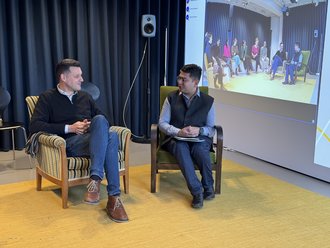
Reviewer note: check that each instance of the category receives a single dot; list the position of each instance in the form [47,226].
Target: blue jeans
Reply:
[276,63]
[101,146]
[188,153]
[290,68]
[237,61]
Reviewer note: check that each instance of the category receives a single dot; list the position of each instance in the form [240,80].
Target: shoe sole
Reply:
[115,220]
[197,206]
[92,203]
[209,198]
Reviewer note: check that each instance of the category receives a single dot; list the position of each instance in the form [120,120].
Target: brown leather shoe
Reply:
[115,209]
[92,195]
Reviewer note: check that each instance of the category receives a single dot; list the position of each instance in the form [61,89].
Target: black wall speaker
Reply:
[148,26]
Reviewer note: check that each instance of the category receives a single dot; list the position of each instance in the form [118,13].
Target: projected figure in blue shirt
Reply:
[293,65]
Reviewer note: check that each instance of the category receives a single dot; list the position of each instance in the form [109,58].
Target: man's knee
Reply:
[200,149]
[180,146]
[99,121]
[99,118]
[176,148]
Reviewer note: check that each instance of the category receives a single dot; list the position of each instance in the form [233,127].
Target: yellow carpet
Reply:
[254,210]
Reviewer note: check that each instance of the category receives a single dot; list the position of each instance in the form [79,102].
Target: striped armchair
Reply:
[55,166]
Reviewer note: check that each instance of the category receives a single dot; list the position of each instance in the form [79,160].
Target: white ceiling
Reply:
[267,7]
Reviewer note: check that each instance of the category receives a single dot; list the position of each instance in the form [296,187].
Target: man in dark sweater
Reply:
[278,60]
[73,115]
[189,113]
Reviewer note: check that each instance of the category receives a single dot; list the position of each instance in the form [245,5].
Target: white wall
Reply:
[276,25]
[283,141]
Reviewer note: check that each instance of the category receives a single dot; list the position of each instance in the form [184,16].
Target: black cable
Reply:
[130,89]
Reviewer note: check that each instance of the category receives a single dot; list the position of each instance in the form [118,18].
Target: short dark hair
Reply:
[297,44]
[64,66]
[194,71]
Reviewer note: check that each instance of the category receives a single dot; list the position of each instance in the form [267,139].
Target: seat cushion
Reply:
[164,157]
[78,167]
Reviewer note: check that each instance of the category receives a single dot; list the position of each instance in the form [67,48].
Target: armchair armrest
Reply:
[51,155]
[219,133]
[52,141]
[124,135]
[154,145]
[219,142]
[154,135]
[219,158]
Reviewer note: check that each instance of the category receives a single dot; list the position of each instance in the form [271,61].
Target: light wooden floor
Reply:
[254,210]
[140,154]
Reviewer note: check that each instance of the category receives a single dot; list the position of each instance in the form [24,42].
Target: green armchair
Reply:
[304,65]
[163,160]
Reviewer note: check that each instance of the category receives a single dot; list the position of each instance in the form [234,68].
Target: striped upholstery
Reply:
[49,156]
[78,168]
[31,104]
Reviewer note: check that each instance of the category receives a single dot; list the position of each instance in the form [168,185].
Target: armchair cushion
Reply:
[78,167]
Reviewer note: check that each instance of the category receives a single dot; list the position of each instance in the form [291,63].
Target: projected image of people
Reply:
[270,49]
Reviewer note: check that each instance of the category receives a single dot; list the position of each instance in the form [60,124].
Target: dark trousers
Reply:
[289,72]
[257,59]
[218,75]
[187,154]
[247,64]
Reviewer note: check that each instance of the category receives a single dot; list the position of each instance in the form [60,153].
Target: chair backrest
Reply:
[306,55]
[4,100]
[31,102]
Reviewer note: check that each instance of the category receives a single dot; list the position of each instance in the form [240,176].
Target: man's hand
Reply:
[189,131]
[79,127]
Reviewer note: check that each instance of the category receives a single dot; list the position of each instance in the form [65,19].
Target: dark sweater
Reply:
[54,110]
[281,54]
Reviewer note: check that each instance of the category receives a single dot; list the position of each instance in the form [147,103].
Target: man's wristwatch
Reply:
[201,131]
